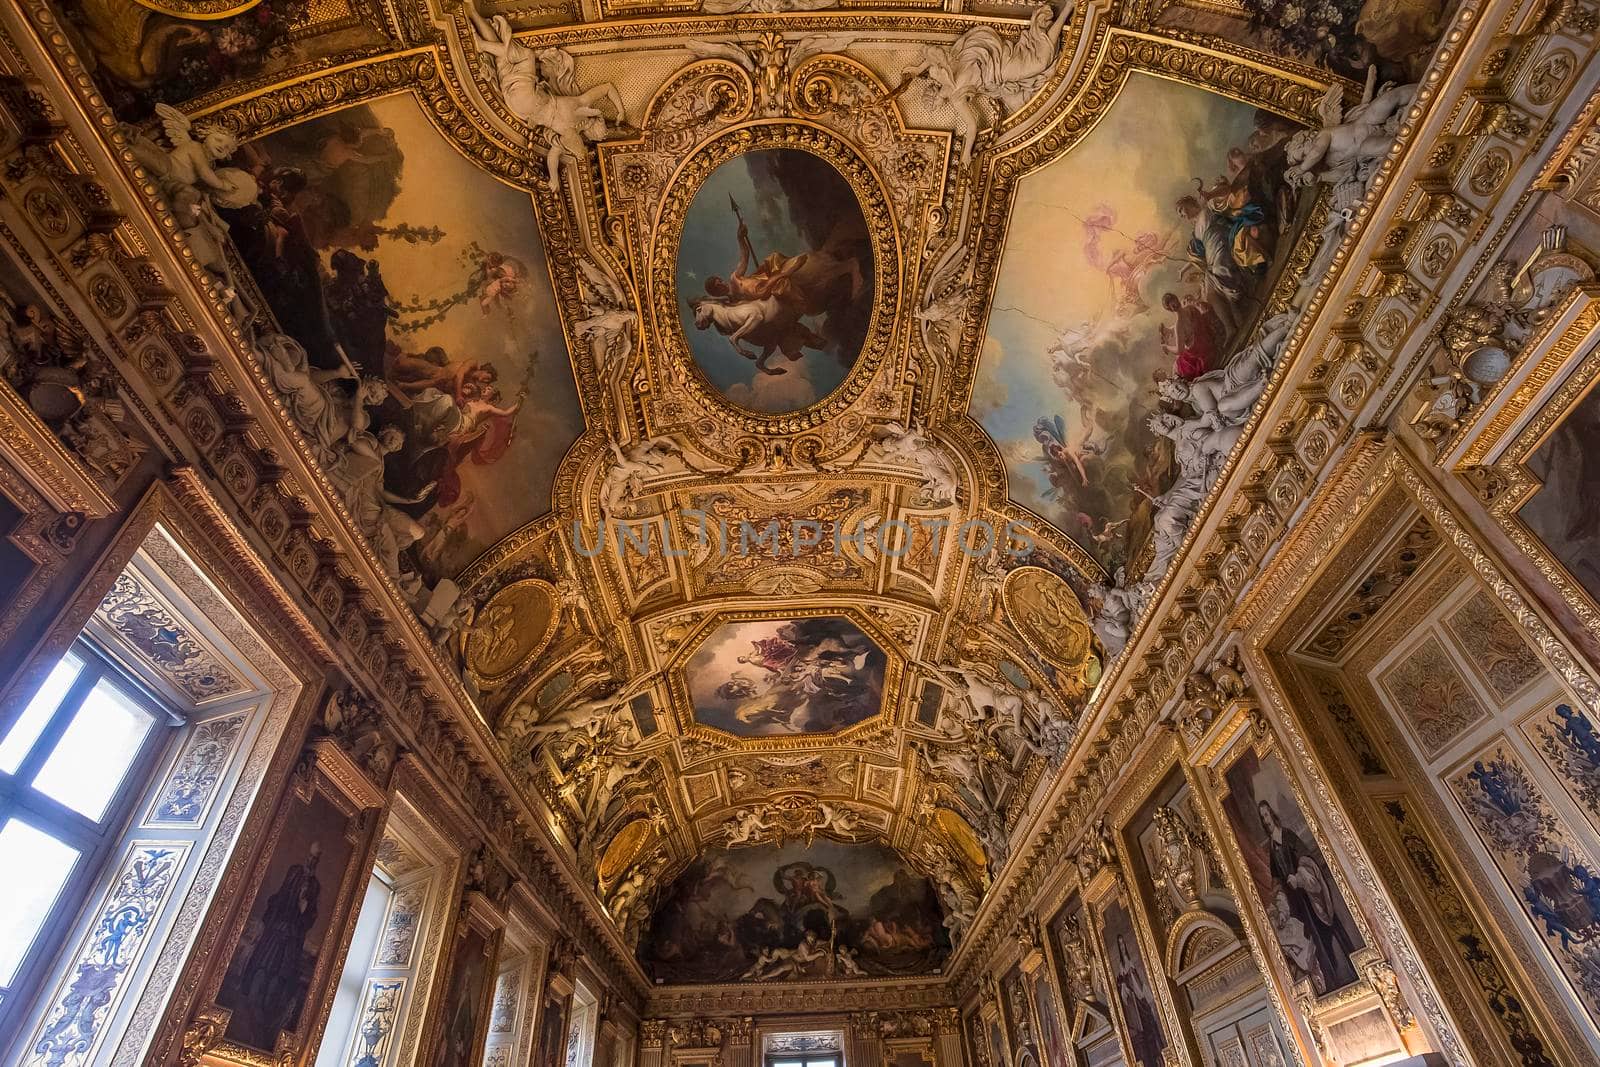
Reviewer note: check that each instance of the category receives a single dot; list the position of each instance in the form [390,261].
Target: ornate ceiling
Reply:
[779,414]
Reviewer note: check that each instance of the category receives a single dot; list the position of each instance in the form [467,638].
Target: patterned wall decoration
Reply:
[1345,720]
[72,1032]
[401,925]
[1570,744]
[1473,947]
[1432,697]
[188,791]
[1415,547]
[137,614]
[1552,876]
[1494,647]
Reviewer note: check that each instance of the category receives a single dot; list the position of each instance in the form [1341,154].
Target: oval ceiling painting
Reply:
[775,279]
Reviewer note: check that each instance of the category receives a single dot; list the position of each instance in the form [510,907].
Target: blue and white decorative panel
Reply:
[1569,741]
[401,924]
[111,949]
[187,792]
[1552,876]
[381,1006]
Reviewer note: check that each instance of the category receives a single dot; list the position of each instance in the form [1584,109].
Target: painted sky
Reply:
[709,246]
[519,333]
[1145,153]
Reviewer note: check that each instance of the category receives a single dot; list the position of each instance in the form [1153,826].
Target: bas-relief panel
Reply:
[1434,699]
[383,252]
[1117,274]
[1290,875]
[1181,838]
[1014,1005]
[1551,875]
[1493,647]
[770,912]
[1561,513]
[775,276]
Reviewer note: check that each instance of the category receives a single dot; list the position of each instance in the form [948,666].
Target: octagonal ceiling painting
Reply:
[777,677]
[1137,259]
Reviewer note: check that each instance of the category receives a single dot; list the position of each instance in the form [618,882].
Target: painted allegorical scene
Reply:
[407,277]
[1550,873]
[1292,880]
[775,279]
[141,54]
[269,978]
[772,677]
[795,911]
[1134,269]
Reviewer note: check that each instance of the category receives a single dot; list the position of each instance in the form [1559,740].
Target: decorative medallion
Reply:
[1045,610]
[513,628]
[623,850]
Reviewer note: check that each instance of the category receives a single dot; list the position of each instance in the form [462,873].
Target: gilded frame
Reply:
[327,771]
[682,706]
[1556,371]
[672,347]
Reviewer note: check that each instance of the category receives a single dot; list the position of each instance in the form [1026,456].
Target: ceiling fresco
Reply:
[764,678]
[779,422]
[1132,291]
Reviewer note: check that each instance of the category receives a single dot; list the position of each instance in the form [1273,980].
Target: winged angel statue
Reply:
[540,87]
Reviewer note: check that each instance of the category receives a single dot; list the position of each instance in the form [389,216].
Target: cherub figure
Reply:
[1348,144]
[193,185]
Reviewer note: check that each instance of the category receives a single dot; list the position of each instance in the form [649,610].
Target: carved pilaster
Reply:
[863,1041]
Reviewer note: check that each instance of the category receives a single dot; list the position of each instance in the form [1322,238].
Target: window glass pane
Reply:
[31,723]
[89,762]
[25,901]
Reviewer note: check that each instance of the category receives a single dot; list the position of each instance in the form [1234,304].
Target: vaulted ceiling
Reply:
[781,412]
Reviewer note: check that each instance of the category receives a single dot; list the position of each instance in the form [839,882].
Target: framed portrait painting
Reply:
[464,1015]
[284,954]
[1134,995]
[1300,898]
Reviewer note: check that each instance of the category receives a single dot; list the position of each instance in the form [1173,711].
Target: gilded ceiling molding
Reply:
[1303,427]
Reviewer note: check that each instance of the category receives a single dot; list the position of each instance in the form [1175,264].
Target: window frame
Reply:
[95,840]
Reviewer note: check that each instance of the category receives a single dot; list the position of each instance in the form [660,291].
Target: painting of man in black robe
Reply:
[1132,983]
[267,983]
[1290,874]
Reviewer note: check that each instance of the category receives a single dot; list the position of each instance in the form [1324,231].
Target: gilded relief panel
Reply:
[1433,699]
